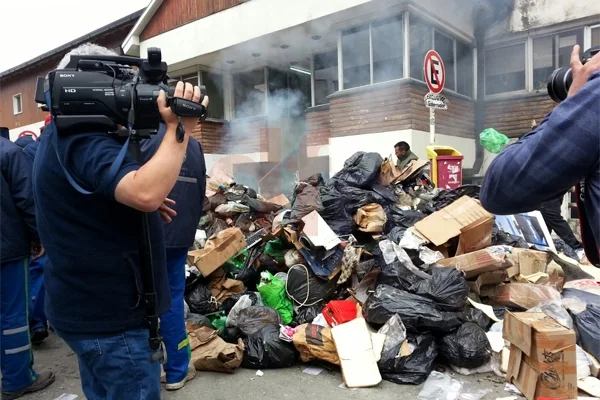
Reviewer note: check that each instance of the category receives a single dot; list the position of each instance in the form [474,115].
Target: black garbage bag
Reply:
[201,301]
[304,288]
[447,197]
[332,208]
[199,320]
[259,205]
[363,268]
[447,287]
[395,234]
[501,238]
[419,314]
[306,315]
[231,334]
[305,201]
[264,350]
[229,302]
[397,276]
[476,316]
[468,347]
[588,329]
[397,217]
[360,170]
[414,368]
[562,247]
[215,201]
[254,318]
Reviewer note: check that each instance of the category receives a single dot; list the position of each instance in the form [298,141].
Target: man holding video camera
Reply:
[94,283]
[561,152]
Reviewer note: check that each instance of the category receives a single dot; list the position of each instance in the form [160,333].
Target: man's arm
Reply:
[547,162]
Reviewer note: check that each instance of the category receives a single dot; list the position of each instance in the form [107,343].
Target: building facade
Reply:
[18,110]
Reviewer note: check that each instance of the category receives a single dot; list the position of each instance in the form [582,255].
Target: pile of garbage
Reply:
[378,272]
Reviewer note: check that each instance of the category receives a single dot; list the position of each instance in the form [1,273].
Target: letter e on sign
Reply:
[435,72]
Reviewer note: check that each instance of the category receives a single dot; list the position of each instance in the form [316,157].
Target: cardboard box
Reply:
[217,251]
[543,360]
[476,263]
[524,295]
[447,223]
[481,285]
[529,261]
[476,236]
[279,200]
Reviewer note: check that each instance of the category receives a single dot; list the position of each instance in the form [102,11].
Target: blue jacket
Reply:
[188,193]
[17,211]
[28,145]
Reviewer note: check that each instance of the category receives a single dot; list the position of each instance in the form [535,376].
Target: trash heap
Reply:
[377,272]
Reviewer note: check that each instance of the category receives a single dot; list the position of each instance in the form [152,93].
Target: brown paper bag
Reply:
[315,342]
[388,173]
[222,287]
[211,353]
[370,218]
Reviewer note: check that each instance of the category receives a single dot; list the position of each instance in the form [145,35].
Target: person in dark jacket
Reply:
[18,232]
[188,197]
[38,324]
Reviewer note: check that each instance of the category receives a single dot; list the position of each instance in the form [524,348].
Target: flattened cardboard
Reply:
[280,200]
[414,167]
[475,236]
[217,251]
[473,264]
[542,361]
[486,279]
[524,295]
[318,232]
[355,351]
[447,223]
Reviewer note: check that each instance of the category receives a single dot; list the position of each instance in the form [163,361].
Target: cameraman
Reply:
[93,281]
[563,151]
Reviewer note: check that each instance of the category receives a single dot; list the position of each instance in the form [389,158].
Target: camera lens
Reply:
[559,83]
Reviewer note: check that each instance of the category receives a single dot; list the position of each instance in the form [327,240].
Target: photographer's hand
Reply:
[187,92]
[581,73]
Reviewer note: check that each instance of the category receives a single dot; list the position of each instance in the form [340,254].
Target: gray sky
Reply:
[29,28]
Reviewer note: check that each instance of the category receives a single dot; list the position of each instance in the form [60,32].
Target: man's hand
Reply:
[187,92]
[581,73]
[37,251]
[166,212]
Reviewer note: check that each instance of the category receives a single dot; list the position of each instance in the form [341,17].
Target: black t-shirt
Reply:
[93,280]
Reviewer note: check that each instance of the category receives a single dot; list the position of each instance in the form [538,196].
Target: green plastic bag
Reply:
[272,291]
[492,140]
[219,321]
[276,249]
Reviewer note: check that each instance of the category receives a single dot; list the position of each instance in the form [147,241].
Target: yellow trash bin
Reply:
[446,166]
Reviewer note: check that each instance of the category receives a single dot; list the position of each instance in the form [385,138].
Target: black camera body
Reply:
[561,79]
[101,93]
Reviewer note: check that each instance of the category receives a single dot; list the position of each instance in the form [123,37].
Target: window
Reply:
[17,104]
[326,76]
[214,90]
[249,93]
[551,52]
[596,36]
[505,69]
[387,49]
[421,41]
[464,69]
[445,48]
[356,57]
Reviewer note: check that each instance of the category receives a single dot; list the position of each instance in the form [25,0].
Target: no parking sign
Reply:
[435,72]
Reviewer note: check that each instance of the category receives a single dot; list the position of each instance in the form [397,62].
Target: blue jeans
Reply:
[117,367]
[172,323]
[37,317]
[16,357]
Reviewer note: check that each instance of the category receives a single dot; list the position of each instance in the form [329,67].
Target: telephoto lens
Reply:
[561,79]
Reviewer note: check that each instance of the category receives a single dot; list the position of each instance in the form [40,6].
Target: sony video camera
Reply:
[561,79]
[99,93]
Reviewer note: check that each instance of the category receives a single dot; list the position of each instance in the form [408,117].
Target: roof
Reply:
[74,43]
[141,24]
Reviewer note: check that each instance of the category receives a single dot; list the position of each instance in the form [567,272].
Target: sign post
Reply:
[435,78]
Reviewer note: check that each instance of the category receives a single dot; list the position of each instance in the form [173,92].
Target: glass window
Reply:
[505,69]
[299,86]
[192,79]
[564,43]
[17,104]
[445,48]
[551,52]
[596,36]
[421,42]
[326,76]
[387,49]
[464,69]
[356,57]
[249,93]
[214,90]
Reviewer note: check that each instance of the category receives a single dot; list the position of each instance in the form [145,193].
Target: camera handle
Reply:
[155,340]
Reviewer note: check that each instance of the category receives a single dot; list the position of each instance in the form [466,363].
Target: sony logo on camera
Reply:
[67,75]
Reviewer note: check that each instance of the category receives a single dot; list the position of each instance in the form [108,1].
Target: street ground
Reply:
[290,383]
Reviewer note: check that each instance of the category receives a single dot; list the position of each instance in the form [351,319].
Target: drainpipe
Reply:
[487,14]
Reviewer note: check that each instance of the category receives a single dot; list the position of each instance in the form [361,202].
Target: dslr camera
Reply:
[101,93]
[561,79]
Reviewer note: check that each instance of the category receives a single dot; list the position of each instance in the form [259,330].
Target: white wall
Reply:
[530,14]
[35,128]
[225,162]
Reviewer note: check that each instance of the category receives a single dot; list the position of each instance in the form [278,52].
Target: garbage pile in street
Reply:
[377,272]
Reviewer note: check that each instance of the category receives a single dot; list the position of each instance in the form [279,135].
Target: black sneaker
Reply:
[38,335]
[42,381]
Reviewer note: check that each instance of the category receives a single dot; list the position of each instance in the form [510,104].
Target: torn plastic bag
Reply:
[501,238]
[447,287]
[492,140]
[361,169]
[232,317]
[253,318]
[392,252]
[272,291]
[201,301]
[556,311]
[305,289]
[440,386]
[305,202]
[260,206]
[418,313]
[413,368]
[468,347]
[306,315]
[265,350]
[396,234]
[394,331]
[588,328]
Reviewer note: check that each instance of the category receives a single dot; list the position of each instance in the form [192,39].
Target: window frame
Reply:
[20,102]
[328,49]
[528,58]
[198,72]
